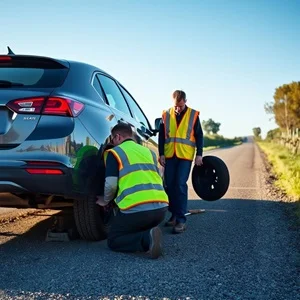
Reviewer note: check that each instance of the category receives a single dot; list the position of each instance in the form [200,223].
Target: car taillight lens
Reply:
[62,107]
[44,171]
[43,168]
[58,106]
[5,58]
[28,105]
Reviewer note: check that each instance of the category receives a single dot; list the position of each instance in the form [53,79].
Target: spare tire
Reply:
[211,180]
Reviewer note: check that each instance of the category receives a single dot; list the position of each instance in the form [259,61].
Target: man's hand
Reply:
[100,201]
[162,160]
[198,160]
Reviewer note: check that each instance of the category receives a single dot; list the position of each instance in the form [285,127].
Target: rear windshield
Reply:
[33,74]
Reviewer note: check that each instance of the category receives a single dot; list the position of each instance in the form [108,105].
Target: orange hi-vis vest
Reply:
[139,179]
[180,140]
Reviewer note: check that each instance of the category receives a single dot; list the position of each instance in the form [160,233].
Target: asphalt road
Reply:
[242,247]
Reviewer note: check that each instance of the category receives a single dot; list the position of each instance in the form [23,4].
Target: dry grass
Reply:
[286,167]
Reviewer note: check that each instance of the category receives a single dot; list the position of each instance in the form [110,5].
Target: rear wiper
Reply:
[6,83]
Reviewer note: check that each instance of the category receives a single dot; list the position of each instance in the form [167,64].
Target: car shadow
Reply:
[31,265]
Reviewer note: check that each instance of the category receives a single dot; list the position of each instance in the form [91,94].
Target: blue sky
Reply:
[228,56]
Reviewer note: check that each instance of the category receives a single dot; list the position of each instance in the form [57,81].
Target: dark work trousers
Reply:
[130,232]
[176,175]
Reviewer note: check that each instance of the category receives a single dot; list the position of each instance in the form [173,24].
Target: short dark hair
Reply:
[123,129]
[179,95]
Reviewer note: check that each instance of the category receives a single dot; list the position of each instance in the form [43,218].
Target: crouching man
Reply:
[133,181]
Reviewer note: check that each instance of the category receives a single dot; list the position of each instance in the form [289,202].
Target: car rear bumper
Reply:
[16,179]
[78,162]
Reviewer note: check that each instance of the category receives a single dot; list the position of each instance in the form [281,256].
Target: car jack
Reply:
[63,229]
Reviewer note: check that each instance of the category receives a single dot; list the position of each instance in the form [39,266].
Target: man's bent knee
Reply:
[112,245]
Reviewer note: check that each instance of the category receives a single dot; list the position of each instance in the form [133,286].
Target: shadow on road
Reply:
[232,248]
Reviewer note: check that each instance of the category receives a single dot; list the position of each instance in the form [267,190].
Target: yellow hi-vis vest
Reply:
[180,140]
[139,180]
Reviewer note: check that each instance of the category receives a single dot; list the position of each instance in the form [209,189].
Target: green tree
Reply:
[286,106]
[210,126]
[294,105]
[273,134]
[256,131]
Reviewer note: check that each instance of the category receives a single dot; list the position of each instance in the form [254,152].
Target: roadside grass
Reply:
[286,167]
[210,148]
[215,141]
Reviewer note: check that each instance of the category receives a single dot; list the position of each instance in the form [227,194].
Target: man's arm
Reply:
[198,133]
[161,139]
[161,144]
[111,180]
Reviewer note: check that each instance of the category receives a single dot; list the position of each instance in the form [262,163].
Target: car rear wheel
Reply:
[89,218]
[92,220]
[211,180]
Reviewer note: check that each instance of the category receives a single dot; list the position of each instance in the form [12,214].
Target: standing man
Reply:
[180,135]
[133,181]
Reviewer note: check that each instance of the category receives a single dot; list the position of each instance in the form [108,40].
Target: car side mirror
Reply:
[157,124]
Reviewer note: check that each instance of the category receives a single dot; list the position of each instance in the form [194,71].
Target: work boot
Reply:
[155,249]
[179,228]
[171,222]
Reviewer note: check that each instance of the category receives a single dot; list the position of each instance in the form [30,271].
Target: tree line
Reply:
[285,109]
[286,106]
[213,139]
[210,126]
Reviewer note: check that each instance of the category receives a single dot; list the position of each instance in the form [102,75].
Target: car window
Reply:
[113,94]
[137,112]
[97,87]
[32,74]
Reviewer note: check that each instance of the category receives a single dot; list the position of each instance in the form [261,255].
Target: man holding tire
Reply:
[180,134]
[133,181]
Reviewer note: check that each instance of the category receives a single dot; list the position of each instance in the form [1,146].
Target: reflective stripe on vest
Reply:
[136,167]
[137,188]
[133,171]
[179,140]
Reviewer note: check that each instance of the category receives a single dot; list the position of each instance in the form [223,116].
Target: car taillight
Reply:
[4,58]
[43,168]
[27,105]
[58,106]
[44,171]
[62,107]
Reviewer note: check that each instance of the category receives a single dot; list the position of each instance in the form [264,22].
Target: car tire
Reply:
[89,219]
[211,180]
